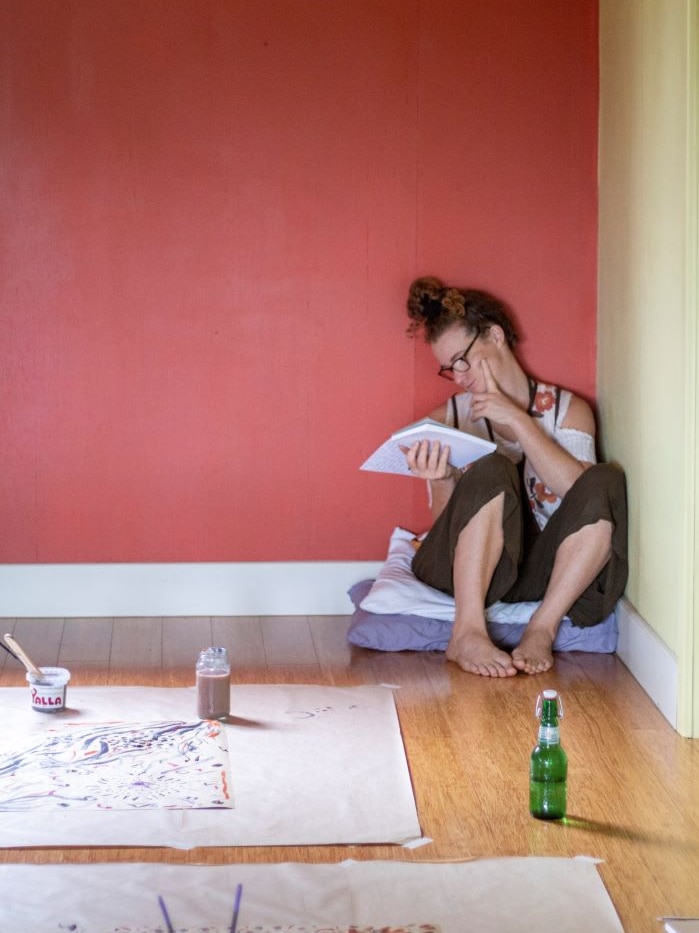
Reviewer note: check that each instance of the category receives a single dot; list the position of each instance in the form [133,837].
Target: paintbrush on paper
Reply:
[22,656]
[166,915]
[236,908]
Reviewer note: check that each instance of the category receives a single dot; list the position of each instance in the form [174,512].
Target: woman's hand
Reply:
[493,403]
[430,460]
[556,468]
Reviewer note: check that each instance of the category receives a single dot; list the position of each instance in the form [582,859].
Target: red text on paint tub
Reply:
[48,695]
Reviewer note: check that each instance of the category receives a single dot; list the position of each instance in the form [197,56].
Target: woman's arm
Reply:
[431,462]
[557,468]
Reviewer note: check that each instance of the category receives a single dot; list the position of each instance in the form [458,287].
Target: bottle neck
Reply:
[549,732]
[549,735]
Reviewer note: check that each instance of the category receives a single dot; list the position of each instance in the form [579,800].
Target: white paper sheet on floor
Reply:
[310,765]
[549,895]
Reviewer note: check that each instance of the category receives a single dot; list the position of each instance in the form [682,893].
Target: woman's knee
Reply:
[491,484]
[496,471]
[480,484]
[602,479]
[600,493]
[609,474]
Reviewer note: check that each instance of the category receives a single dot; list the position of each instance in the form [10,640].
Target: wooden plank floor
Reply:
[633,782]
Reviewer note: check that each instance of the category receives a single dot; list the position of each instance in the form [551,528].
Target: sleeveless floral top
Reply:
[548,404]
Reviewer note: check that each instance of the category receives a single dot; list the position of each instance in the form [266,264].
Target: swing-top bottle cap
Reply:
[548,695]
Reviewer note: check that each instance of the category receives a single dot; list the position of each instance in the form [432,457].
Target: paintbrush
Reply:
[11,653]
[236,909]
[22,656]
[166,915]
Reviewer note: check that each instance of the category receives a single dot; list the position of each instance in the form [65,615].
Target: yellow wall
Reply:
[646,322]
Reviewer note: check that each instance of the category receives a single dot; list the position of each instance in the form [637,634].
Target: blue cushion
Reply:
[401,632]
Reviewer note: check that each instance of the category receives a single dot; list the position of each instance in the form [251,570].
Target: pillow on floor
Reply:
[384,631]
[397,612]
[397,589]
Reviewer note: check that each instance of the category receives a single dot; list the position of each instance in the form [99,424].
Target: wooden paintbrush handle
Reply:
[24,657]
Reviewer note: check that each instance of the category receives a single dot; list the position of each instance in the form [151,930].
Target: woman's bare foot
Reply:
[476,654]
[533,655]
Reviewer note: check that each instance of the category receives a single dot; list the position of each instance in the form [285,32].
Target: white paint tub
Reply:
[49,694]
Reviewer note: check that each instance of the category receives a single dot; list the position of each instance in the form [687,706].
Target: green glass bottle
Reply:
[548,766]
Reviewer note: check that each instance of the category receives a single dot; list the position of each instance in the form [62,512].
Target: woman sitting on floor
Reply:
[537,520]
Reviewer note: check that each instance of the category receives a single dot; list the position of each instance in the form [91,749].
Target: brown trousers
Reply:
[524,569]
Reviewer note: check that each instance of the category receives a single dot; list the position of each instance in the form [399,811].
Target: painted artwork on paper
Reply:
[117,766]
[266,928]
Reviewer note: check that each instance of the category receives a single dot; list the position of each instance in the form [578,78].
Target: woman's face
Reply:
[459,347]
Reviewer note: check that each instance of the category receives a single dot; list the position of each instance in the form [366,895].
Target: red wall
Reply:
[211,214]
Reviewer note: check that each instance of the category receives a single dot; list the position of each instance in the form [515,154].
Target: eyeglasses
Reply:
[460,364]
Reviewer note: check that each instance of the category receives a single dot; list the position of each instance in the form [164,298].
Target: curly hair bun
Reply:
[434,307]
[424,300]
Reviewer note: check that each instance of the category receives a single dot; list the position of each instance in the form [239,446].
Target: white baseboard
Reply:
[255,589]
[649,659]
[221,589]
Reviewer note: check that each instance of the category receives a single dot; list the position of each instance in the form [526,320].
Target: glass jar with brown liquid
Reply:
[213,672]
